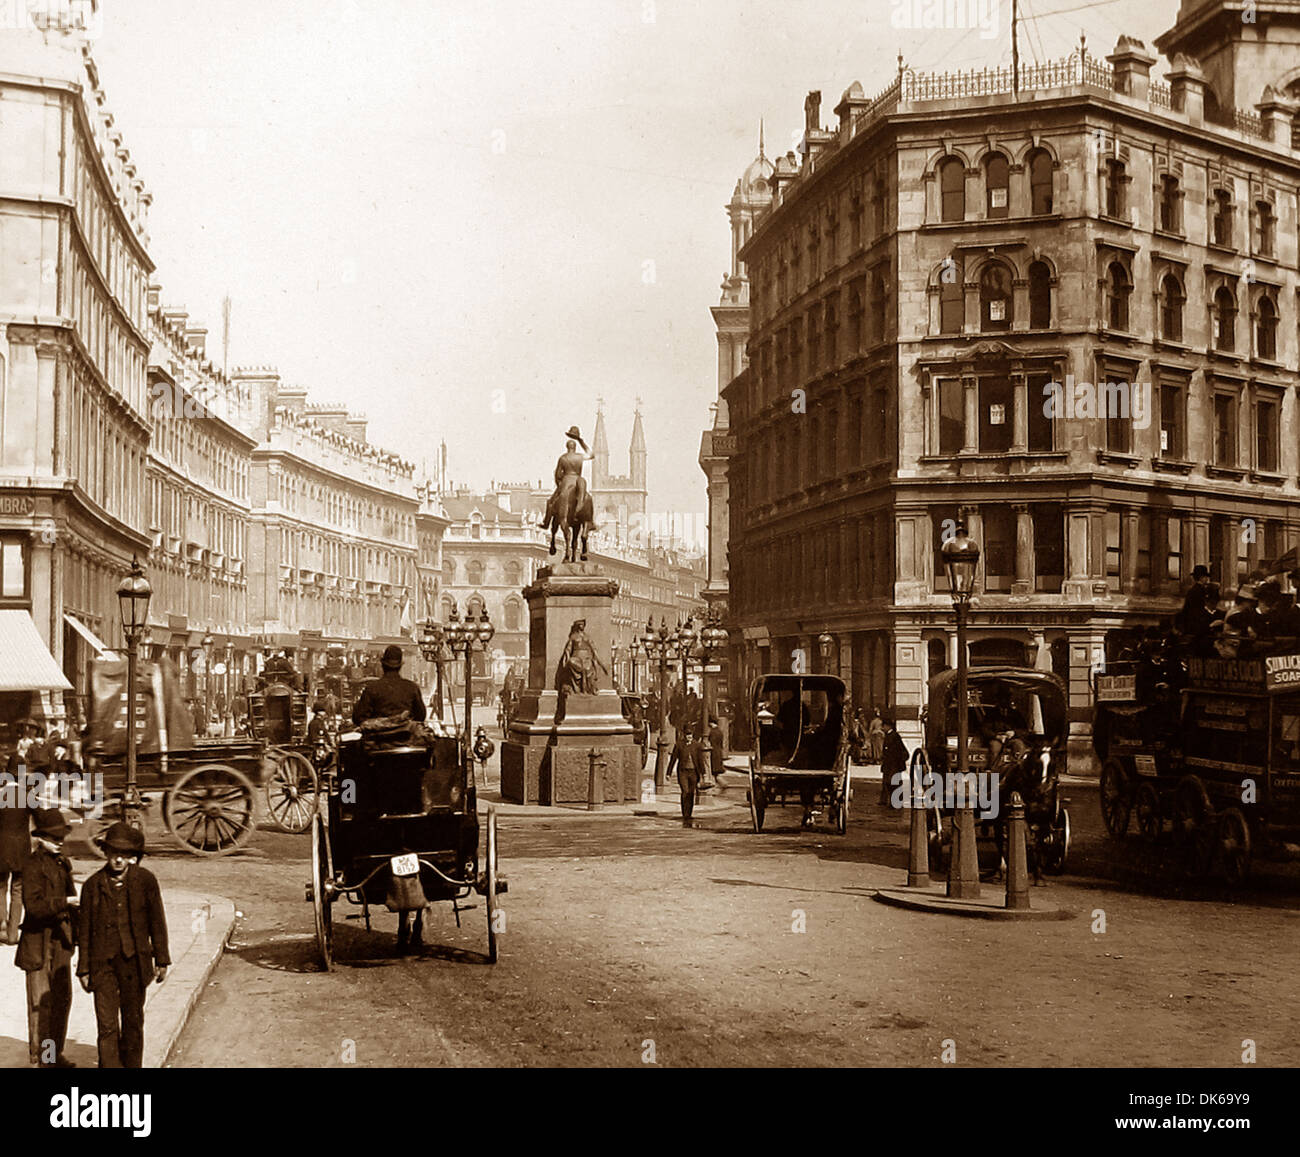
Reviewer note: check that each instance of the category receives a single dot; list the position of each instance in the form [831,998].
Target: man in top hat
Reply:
[1194,618]
[123,945]
[390,694]
[47,940]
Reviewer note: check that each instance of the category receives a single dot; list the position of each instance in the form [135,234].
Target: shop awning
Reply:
[100,647]
[25,663]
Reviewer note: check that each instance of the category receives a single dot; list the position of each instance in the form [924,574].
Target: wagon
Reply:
[207,786]
[1017,732]
[277,715]
[801,747]
[400,830]
[1210,769]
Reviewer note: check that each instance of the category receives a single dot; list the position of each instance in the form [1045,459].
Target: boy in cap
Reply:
[123,946]
[47,940]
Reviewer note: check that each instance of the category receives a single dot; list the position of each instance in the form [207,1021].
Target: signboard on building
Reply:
[17,504]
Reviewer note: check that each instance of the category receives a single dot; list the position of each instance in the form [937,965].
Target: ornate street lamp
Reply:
[431,647]
[712,638]
[960,560]
[659,645]
[633,649]
[826,645]
[133,595]
[463,636]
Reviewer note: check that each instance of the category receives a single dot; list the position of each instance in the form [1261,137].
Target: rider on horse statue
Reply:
[570,508]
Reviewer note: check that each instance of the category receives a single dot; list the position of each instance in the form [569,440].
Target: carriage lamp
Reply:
[133,595]
[960,558]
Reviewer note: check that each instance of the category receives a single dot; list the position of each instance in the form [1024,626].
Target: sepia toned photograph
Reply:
[626,534]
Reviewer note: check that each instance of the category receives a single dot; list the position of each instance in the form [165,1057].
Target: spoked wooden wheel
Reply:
[1116,803]
[292,792]
[757,805]
[209,811]
[322,874]
[1056,848]
[1234,846]
[1146,811]
[842,813]
[492,904]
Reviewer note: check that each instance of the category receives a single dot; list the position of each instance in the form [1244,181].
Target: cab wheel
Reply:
[1234,846]
[1116,802]
[1146,810]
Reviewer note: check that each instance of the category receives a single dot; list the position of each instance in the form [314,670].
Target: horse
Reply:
[577,519]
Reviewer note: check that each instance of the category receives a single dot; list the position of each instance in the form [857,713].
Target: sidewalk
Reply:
[197,928]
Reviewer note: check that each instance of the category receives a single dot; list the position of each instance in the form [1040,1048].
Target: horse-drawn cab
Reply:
[277,713]
[401,831]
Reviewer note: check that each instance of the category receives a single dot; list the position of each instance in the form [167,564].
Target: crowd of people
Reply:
[1260,619]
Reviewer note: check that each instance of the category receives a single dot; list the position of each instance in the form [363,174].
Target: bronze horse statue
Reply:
[576,524]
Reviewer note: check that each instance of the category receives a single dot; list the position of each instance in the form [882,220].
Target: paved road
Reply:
[633,941]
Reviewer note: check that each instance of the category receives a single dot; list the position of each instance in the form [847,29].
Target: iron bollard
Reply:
[595,781]
[918,859]
[1017,865]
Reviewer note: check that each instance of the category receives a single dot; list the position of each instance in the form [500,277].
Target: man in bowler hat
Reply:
[391,694]
[47,940]
[123,938]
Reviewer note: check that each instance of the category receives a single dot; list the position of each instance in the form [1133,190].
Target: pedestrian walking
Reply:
[893,759]
[47,941]
[717,747]
[875,737]
[15,847]
[123,937]
[683,761]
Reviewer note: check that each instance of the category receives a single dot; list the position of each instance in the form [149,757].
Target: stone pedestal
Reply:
[544,759]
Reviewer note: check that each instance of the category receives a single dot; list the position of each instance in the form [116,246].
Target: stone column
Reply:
[1023,585]
[908,670]
[1087,647]
[970,395]
[1019,413]
[1129,551]
[1078,584]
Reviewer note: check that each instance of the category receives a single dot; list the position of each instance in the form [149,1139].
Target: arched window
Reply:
[1266,329]
[952,190]
[474,572]
[1225,319]
[952,297]
[1171,201]
[996,185]
[513,573]
[1118,288]
[449,570]
[447,605]
[1172,300]
[1040,296]
[1040,182]
[512,615]
[995,297]
[1222,223]
[473,607]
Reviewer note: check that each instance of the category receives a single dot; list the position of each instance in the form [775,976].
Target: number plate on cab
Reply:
[407,865]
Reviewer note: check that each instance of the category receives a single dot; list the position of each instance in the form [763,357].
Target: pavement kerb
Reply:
[198,927]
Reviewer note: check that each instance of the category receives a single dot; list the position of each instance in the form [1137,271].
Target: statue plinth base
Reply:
[544,759]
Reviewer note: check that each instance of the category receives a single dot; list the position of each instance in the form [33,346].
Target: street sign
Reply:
[713,669]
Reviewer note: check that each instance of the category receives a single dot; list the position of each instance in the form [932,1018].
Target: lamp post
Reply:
[826,645]
[960,559]
[658,646]
[133,596]
[208,642]
[463,636]
[633,649]
[684,640]
[712,638]
[431,644]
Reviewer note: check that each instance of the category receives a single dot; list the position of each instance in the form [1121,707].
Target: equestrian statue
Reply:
[569,509]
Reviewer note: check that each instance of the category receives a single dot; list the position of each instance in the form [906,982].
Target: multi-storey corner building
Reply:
[934,264]
[74,341]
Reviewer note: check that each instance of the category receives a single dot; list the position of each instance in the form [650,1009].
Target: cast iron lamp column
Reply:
[684,639]
[658,646]
[960,559]
[208,642]
[431,644]
[826,645]
[463,636]
[133,596]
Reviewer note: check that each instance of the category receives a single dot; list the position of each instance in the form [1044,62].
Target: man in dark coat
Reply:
[684,762]
[893,761]
[15,846]
[123,935]
[47,940]
[390,694]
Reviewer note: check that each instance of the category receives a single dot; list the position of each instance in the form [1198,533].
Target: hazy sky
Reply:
[414,204]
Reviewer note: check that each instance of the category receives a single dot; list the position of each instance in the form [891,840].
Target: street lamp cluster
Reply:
[133,595]
[663,646]
[457,636]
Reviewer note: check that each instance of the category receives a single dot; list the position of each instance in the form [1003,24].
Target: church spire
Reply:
[600,447]
[636,453]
